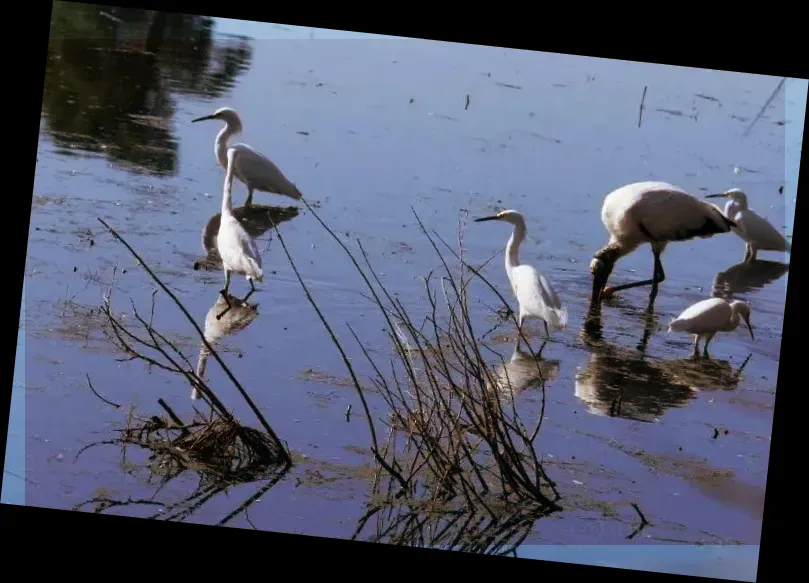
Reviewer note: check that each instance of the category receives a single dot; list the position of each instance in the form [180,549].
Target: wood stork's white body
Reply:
[656,213]
[707,317]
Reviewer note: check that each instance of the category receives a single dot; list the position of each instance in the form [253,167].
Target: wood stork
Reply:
[651,212]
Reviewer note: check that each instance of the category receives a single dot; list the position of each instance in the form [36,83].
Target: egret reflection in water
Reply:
[626,383]
[523,371]
[256,220]
[237,318]
[745,277]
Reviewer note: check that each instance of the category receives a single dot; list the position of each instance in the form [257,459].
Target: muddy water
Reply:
[368,129]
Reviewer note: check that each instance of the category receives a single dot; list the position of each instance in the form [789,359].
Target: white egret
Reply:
[534,293]
[254,169]
[657,213]
[237,249]
[753,229]
[707,317]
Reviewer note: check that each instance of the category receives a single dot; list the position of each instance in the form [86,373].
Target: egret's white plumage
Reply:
[534,293]
[752,228]
[657,213]
[254,169]
[707,317]
[236,247]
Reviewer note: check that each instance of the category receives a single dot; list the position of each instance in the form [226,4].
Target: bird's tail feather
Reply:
[559,319]
[258,273]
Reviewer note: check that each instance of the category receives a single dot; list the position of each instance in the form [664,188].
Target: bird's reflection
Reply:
[238,317]
[746,277]
[256,220]
[626,383]
[523,371]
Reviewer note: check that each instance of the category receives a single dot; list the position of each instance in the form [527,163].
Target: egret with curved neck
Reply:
[236,247]
[533,292]
[256,171]
[757,233]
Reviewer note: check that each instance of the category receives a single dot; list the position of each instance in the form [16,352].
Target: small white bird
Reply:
[754,230]
[534,293]
[707,317]
[254,169]
[236,247]
[657,213]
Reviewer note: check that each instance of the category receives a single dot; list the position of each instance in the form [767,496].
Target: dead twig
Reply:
[90,383]
[641,108]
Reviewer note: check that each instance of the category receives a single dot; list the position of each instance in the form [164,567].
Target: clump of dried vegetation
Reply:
[215,444]
[455,441]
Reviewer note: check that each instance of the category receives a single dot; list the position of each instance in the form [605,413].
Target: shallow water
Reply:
[369,128]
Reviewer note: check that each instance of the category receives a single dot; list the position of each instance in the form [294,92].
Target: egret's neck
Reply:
[227,199]
[221,144]
[740,203]
[513,245]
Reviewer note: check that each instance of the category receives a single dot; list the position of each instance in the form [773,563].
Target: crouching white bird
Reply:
[656,213]
[757,233]
[534,293]
[236,247]
[254,169]
[707,317]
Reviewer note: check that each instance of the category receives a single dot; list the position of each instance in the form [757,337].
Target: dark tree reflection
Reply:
[111,73]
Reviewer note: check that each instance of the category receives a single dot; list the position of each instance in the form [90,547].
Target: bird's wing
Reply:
[238,247]
[255,169]
[708,311]
[528,280]
[760,231]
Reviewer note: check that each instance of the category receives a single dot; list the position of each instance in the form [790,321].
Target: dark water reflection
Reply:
[462,531]
[110,74]
[626,383]
[744,277]
[523,371]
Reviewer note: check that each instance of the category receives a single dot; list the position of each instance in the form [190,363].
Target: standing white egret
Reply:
[657,213]
[236,247]
[707,317]
[254,169]
[534,293]
[754,230]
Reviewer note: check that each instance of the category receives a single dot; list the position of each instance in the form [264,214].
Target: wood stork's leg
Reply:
[249,201]
[705,346]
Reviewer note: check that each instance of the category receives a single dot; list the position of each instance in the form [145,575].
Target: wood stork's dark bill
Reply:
[749,327]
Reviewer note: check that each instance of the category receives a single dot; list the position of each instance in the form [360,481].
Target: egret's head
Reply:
[225,114]
[743,310]
[507,216]
[733,194]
